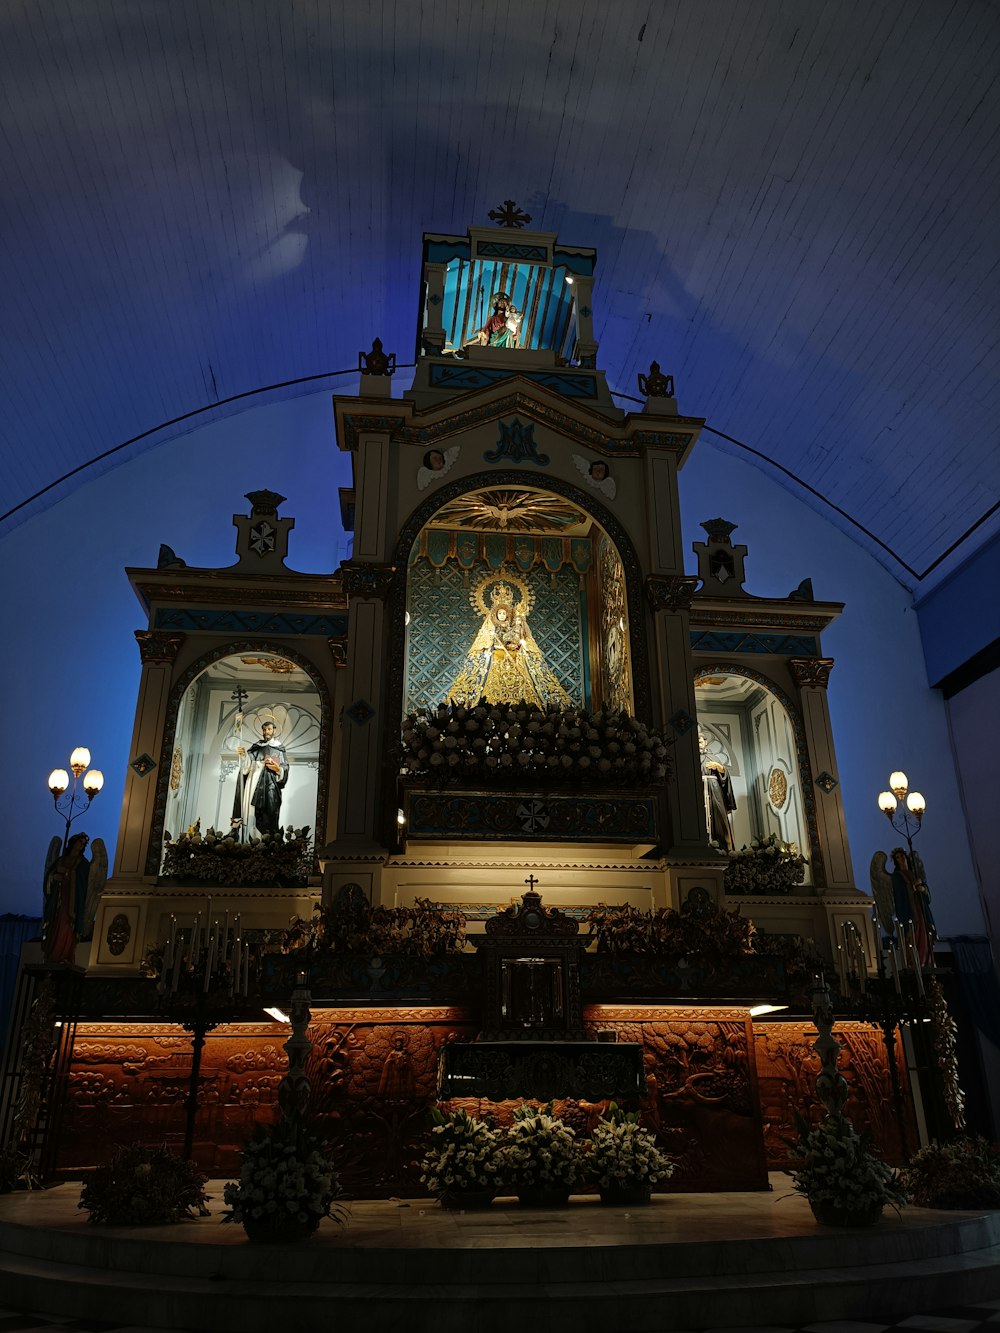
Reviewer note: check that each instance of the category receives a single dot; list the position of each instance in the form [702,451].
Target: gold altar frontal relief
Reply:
[505,665]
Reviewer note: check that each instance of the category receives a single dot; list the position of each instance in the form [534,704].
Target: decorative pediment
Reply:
[531,920]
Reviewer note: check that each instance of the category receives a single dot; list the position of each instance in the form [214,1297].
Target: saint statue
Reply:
[259,783]
[503,326]
[505,664]
[719,798]
[71,894]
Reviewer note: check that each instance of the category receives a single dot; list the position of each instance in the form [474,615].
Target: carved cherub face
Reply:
[599,469]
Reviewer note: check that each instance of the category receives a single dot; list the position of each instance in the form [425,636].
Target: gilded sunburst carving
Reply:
[510,510]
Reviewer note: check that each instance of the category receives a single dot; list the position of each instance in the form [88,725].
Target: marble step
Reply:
[229,1305]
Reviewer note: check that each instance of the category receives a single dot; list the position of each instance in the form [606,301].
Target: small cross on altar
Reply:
[531,882]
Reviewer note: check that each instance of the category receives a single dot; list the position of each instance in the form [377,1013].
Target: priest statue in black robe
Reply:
[720,800]
[259,784]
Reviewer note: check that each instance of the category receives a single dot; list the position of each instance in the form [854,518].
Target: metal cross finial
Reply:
[241,696]
[509,215]
[531,882]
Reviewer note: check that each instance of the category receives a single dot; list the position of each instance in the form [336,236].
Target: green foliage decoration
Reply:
[142,1185]
[964,1173]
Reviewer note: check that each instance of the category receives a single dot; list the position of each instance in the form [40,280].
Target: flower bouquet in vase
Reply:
[539,1159]
[845,1182]
[287,1185]
[461,1161]
[624,1159]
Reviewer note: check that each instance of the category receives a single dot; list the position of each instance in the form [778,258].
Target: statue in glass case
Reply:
[505,664]
[261,779]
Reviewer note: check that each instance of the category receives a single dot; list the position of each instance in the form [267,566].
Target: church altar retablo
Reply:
[513,678]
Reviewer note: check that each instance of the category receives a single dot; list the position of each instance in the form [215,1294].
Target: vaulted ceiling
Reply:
[795,206]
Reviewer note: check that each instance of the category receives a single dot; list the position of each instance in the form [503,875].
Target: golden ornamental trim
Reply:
[363,579]
[672,592]
[158,646]
[811,671]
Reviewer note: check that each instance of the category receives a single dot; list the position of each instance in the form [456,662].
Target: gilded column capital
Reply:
[362,579]
[671,592]
[811,671]
[157,646]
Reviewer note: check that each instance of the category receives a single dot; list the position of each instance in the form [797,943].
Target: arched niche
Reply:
[751,727]
[219,705]
[516,590]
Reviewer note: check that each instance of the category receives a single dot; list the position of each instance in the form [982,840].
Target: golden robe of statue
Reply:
[505,664]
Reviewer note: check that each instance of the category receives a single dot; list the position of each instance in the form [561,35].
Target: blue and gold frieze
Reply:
[462,375]
[249,622]
[531,817]
[401,431]
[737,641]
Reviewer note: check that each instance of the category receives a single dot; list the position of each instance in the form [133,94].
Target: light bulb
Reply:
[93,782]
[898,783]
[79,760]
[886,803]
[916,804]
[58,781]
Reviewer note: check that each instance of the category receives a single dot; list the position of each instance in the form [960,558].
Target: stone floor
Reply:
[418,1232]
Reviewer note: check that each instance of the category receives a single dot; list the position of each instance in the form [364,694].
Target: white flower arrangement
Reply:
[837,1167]
[622,1153]
[285,1178]
[540,1151]
[521,744]
[463,1154]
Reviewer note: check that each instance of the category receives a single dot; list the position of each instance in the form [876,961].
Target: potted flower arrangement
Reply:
[142,1186]
[539,1159]
[287,1185]
[521,745]
[462,1160]
[961,1174]
[766,866]
[845,1182]
[624,1159]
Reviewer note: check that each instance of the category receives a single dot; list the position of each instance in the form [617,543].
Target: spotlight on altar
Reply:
[72,796]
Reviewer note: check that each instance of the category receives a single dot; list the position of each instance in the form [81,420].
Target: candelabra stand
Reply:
[887,1003]
[203,982]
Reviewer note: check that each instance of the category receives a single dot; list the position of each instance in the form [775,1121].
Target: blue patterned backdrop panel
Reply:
[443,625]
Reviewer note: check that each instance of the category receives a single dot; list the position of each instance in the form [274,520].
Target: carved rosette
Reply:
[156,646]
[813,671]
[367,580]
[670,592]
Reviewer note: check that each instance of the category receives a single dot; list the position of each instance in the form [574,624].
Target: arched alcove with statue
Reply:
[517,593]
[753,753]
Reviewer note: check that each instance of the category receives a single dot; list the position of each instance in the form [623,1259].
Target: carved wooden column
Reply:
[365,735]
[811,675]
[673,680]
[159,653]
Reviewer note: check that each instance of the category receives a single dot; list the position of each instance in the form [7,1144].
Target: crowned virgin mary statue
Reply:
[505,664]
